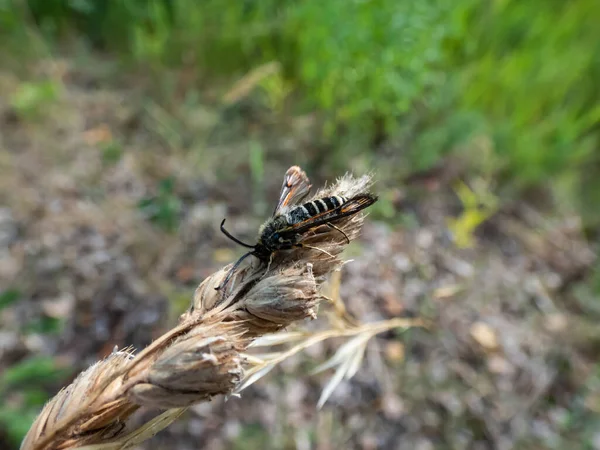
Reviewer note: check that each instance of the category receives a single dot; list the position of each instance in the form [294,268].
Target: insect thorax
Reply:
[268,234]
[273,234]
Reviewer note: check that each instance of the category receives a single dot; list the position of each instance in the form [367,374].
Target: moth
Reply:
[285,229]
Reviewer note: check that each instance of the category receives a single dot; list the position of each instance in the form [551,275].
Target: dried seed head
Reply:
[201,357]
[70,401]
[347,186]
[208,299]
[270,310]
[282,298]
[196,367]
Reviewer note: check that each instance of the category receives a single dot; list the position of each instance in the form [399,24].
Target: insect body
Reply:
[285,229]
[281,232]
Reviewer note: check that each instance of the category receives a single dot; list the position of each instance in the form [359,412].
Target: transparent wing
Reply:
[295,187]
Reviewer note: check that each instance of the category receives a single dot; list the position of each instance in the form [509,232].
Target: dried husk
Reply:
[194,368]
[102,425]
[281,298]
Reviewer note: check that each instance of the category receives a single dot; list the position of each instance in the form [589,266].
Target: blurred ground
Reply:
[110,219]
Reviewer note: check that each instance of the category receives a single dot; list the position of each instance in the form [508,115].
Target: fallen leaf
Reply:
[484,335]
[499,365]
[556,322]
[447,291]
[59,307]
[394,351]
[97,135]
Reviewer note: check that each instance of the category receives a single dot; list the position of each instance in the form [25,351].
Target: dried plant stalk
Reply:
[204,355]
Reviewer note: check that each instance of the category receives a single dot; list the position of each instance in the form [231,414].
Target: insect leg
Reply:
[330,225]
[314,248]
[231,271]
[271,256]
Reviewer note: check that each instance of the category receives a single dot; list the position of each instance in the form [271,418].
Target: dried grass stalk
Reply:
[204,355]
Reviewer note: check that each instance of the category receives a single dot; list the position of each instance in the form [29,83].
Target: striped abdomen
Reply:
[316,207]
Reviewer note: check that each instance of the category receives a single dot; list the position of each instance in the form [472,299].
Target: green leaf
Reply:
[31,98]
[45,325]
[111,153]
[33,370]
[16,422]
[9,297]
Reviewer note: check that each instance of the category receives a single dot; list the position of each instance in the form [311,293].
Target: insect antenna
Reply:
[231,271]
[233,238]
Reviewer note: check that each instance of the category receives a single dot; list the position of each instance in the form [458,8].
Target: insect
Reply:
[284,229]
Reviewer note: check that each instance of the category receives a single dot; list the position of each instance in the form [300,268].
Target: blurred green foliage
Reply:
[8,297]
[430,75]
[22,395]
[531,69]
[45,325]
[24,385]
[34,370]
[478,205]
[251,436]
[112,151]
[163,209]
[30,99]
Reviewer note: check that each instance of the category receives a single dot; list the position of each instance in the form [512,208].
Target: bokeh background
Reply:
[130,128]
